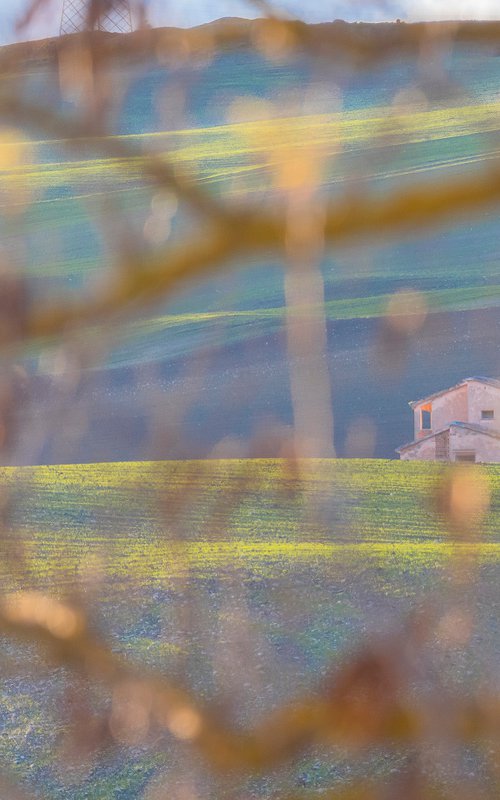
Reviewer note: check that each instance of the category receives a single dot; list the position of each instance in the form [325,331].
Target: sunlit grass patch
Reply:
[131,521]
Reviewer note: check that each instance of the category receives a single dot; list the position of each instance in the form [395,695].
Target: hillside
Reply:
[372,511]
[295,572]
[336,40]
[239,320]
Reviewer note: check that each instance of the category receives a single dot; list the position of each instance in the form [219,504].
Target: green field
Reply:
[155,521]
[176,561]
[245,157]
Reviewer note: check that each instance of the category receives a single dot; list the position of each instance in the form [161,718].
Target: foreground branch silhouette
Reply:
[369,700]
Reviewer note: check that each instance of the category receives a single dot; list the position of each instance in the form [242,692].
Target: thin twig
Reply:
[360,44]
[77,132]
[362,706]
[149,277]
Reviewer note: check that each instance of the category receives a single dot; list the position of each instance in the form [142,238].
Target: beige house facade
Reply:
[461,423]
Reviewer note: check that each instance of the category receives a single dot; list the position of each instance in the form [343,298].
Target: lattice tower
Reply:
[115,16]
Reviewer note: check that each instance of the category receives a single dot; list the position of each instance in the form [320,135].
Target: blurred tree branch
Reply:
[358,44]
[368,700]
[80,132]
[351,220]
[365,702]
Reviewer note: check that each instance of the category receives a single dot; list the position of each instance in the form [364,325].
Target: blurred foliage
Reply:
[390,694]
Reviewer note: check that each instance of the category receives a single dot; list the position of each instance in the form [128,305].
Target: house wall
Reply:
[481,397]
[449,407]
[420,451]
[486,448]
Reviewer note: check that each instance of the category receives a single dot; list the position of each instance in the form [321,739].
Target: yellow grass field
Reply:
[153,522]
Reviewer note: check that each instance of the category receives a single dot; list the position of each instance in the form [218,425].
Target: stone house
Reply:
[457,424]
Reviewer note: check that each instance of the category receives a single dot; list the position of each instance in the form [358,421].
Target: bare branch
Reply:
[361,706]
[78,132]
[362,45]
[146,278]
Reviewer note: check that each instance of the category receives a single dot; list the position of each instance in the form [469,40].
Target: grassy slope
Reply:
[251,515]
[316,565]
[239,157]
[385,145]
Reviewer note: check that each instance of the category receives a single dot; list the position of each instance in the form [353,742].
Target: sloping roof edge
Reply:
[422,439]
[478,379]
[471,426]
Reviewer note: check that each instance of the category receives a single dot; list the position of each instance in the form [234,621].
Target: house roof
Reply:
[478,379]
[471,426]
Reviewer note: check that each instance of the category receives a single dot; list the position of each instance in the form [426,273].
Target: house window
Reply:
[425,419]
[465,455]
[488,414]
